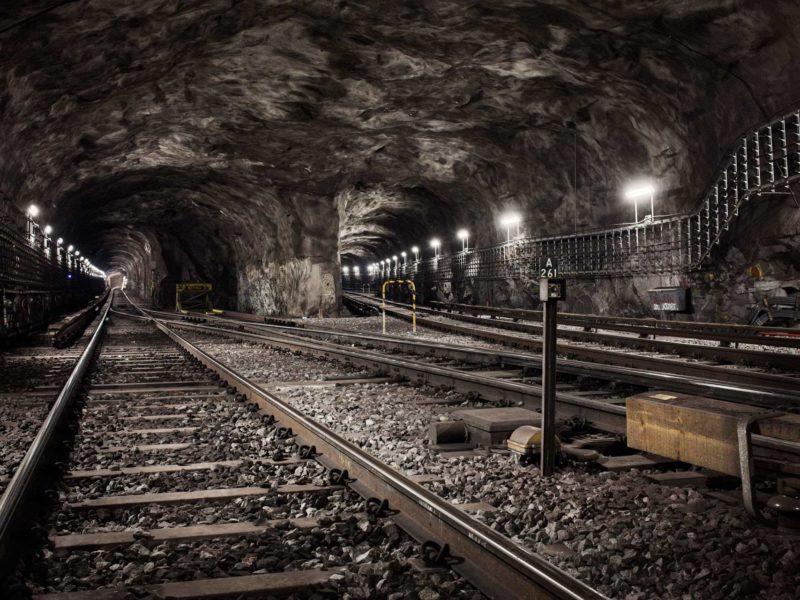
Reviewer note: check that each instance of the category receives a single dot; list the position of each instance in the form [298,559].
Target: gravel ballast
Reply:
[367,555]
[619,532]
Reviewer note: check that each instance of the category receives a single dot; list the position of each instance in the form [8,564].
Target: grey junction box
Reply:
[493,426]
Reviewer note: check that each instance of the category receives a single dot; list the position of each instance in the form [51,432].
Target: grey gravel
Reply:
[618,532]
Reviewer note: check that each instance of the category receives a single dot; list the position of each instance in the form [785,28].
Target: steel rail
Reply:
[491,561]
[606,416]
[722,353]
[733,332]
[610,357]
[678,383]
[601,415]
[17,494]
[70,330]
[721,390]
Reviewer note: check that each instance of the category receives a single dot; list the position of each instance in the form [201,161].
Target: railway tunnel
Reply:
[288,257]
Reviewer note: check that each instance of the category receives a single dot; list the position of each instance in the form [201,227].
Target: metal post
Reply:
[548,462]
[383,306]
[575,177]
[413,306]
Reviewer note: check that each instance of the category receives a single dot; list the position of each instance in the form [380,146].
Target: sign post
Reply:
[551,290]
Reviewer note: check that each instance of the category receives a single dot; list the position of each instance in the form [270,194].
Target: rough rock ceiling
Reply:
[213,131]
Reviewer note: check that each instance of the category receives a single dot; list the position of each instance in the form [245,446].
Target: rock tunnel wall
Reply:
[244,142]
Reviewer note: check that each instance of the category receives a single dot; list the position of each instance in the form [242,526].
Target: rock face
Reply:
[243,141]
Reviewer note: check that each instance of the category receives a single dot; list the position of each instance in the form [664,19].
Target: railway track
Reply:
[348,406]
[526,367]
[604,410]
[32,373]
[591,345]
[186,479]
[716,368]
[773,390]
[721,333]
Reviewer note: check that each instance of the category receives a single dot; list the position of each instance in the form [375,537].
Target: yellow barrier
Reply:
[413,287]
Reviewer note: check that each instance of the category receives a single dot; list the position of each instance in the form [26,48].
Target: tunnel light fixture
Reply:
[640,189]
[59,241]
[415,250]
[33,211]
[77,252]
[404,255]
[463,235]
[394,258]
[436,244]
[346,270]
[356,271]
[70,248]
[508,220]
[48,230]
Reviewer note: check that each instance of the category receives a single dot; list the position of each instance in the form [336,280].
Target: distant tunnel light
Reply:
[509,219]
[415,249]
[70,248]
[403,254]
[77,252]
[33,211]
[345,270]
[394,258]
[356,271]
[60,241]
[48,230]
[435,243]
[463,235]
[639,190]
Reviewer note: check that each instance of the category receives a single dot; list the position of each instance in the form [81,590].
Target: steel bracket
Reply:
[744,430]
